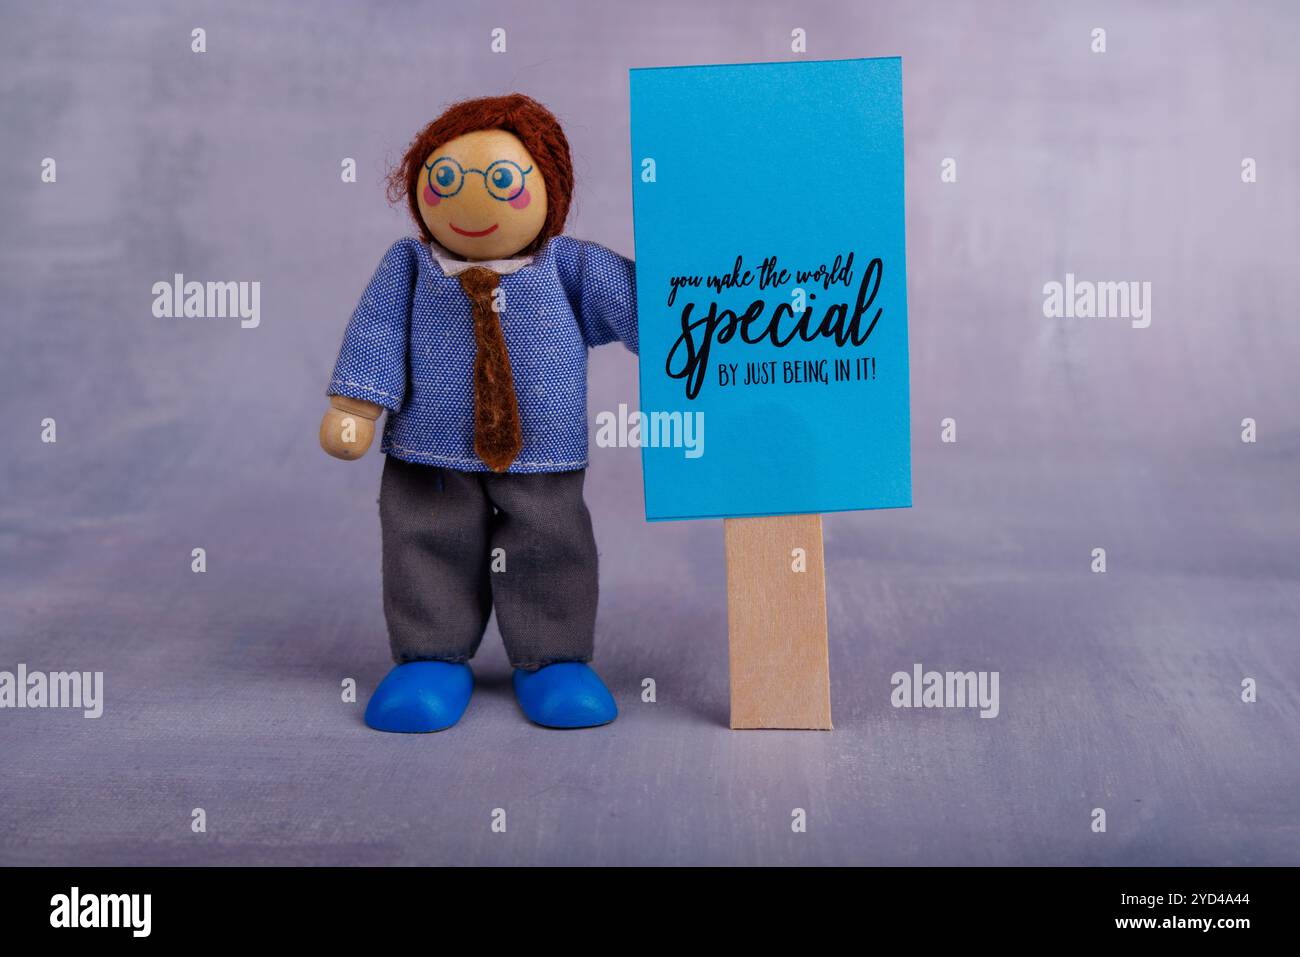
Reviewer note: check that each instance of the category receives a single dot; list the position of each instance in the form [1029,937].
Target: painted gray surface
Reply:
[1118,690]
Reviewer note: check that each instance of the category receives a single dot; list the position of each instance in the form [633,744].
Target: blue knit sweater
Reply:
[410,348]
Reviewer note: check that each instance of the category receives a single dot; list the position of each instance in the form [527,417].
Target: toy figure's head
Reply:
[488,179]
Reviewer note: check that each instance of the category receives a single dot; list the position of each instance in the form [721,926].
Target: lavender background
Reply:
[1118,691]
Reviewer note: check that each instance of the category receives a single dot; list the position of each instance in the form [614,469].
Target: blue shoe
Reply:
[421,696]
[566,694]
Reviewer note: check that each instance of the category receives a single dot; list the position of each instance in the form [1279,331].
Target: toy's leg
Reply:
[436,595]
[545,597]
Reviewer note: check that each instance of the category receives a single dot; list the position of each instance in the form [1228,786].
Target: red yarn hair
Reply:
[536,127]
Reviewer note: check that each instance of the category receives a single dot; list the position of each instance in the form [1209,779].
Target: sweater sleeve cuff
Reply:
[357,390]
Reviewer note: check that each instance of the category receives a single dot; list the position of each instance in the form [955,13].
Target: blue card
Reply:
[771,288]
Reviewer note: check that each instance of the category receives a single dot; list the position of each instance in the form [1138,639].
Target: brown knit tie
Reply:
[498,435]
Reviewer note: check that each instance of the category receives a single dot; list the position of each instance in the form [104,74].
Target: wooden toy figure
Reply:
[474,338]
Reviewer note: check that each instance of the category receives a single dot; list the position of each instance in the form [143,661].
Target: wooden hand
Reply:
[348,427]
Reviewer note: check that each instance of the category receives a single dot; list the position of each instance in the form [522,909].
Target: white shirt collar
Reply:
[452,266]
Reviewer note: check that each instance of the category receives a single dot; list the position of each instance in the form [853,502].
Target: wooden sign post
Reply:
[776,623]
[772,321]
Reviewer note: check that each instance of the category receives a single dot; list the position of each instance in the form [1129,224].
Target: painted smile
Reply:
[472,233]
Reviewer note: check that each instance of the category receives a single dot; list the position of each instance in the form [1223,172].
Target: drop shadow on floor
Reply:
[685,656]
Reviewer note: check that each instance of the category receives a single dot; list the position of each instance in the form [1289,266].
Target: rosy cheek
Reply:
[522,200]
[430,197]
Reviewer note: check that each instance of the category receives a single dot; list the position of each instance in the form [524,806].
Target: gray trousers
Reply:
[458,543]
